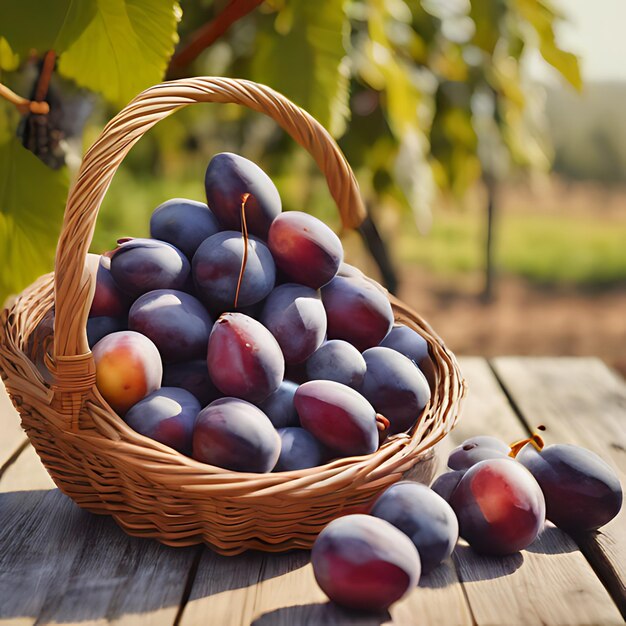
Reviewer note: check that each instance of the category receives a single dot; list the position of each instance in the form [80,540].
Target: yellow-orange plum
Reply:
[128,368]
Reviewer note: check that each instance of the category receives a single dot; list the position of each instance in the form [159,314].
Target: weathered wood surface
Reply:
[59,564]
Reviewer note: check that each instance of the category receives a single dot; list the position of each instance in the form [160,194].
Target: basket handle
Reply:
[73,284]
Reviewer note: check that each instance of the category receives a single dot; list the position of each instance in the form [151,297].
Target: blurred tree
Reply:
[421,95]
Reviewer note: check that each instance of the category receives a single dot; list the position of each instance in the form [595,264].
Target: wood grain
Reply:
[60,564]
[582,402]
[13,437]
[551,582]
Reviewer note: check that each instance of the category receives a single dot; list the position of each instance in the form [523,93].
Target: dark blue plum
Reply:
[476,449]
[183,223]
[500,507]
[410,343]
[338,416]
[177,323]
[217,266]
[99,327]
[192,376]
[295,315]
[280,407]
[299,449]
[582,491]
[108,299]
[235,435]
[230,176]
[142,265]
[424,517]
[445,484]
[364,563]
[357,311]
[244,359]
[167,415]
[395,386]
[305,249]
[339,361]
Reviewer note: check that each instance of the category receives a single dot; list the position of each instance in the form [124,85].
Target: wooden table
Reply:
[60,564]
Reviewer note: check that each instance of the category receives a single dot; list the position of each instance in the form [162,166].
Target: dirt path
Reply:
[523,319]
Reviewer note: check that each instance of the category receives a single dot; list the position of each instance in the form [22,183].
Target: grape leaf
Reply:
[32,199]
[307,60]
[41,26]
[124,49]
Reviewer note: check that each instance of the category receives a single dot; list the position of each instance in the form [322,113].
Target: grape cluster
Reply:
[237,335]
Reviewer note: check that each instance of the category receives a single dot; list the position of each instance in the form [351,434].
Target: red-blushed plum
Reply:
[299,449]
[304,248]
[99,327]
[217,266]
[424,517]
[244,359]
[194,377]
[445,484]
[142,265]
[295,315]
[279,406]
[500,507]
[236,435]
[410,343]
[582,491]
[228,178]
[128,368]
[357,312]
[364,563]
[177,323]
[166,415]
[395,386]
[108,299]
[476,449]
[339,361]
[183,223]
[338,416]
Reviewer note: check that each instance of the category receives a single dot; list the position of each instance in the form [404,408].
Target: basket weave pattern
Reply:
[150,489]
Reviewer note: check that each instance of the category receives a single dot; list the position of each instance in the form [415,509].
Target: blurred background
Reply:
[488,138]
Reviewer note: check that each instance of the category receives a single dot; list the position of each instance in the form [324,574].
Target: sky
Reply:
[596,32]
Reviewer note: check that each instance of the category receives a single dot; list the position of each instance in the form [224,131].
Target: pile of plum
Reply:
[237,335]
[497,497]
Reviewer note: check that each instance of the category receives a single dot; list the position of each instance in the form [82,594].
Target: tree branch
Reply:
[209,33]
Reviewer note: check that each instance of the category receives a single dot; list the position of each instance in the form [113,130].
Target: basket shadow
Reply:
[59,563]
[321,613]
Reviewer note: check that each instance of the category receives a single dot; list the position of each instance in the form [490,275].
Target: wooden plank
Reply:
[551,582]
[13,437]
[26,473]
[582,402]
[61,564]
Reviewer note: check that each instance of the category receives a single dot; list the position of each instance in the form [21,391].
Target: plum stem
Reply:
[536,440]
[244,233]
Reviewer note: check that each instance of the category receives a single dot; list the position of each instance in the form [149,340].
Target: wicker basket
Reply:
[150,489]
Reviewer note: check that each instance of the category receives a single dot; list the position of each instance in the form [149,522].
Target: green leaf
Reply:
[32,200]
[40,25]
[541,16]
[307,61]
[9,61]
[124,49]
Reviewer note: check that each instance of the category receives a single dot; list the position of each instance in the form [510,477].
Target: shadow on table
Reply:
[325,613]
[472,566]
[59,563]
[553,541]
